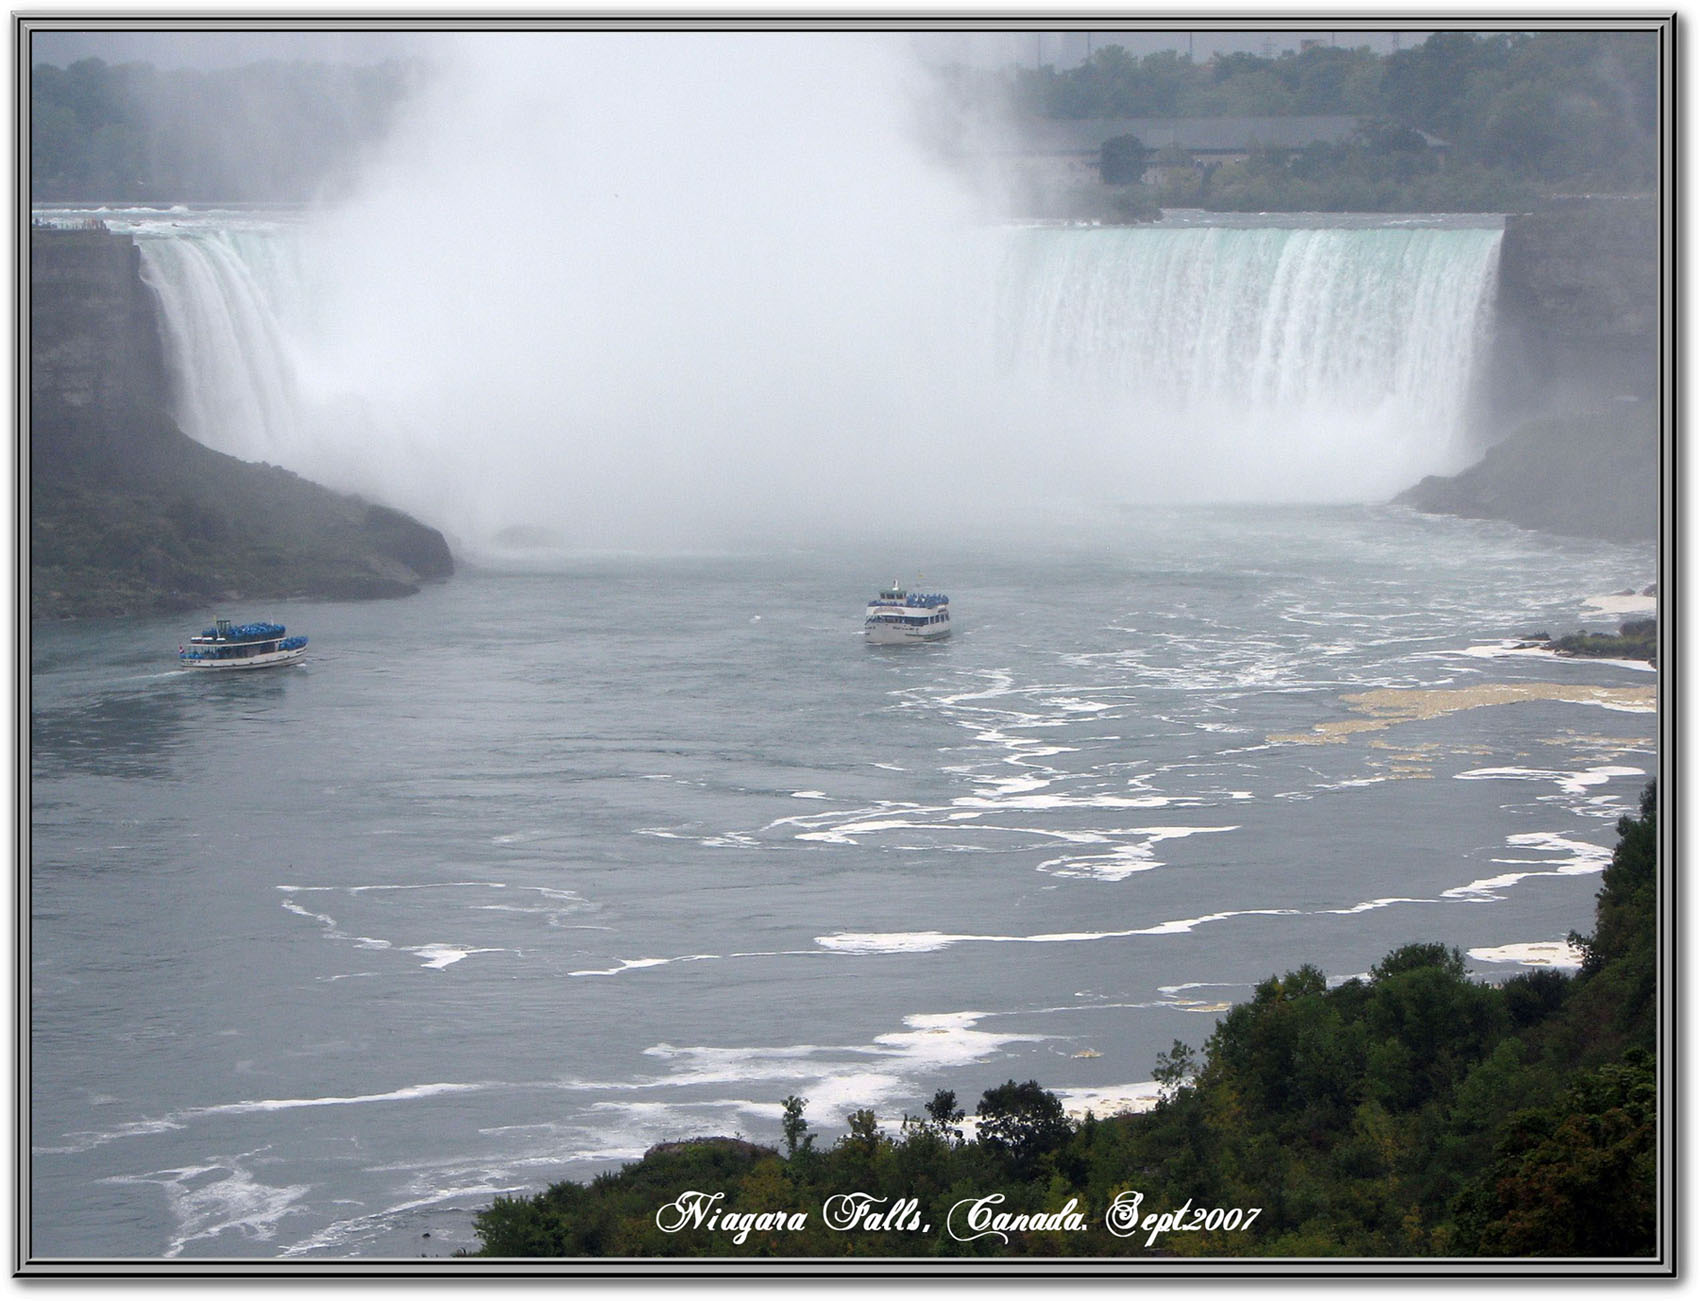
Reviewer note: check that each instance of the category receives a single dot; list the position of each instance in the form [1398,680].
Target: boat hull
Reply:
[264,660]
[896,634]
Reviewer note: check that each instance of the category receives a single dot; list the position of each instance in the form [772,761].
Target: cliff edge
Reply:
[1575,377]
[128,515]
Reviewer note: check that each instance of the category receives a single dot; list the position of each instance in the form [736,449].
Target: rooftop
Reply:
[1199,134]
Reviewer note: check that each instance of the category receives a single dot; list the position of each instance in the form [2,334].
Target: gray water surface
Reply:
[516,877]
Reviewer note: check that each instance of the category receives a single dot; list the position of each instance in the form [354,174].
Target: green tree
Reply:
[945,1115]
[794,1127]
[1576,1179]
[1619,977]
[1122,160]
[1174,1068]
[1022,1122]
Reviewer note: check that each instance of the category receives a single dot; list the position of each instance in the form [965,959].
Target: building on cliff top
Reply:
[1067,151]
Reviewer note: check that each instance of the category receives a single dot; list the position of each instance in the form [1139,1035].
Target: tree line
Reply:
[1415,1113]
[268,132]
[1464,121]
[1518,113]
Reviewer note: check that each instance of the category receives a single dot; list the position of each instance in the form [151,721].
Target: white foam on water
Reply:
[1115,864]
[1032,803]
[84,1141]
[324,919]
[834,1078]
[338,1238]
[1580,859]
[1175,991]
[1122,861]
[1370,905]
[1514,650]
[408,1093]
[440,956]
[637,964]
[551,904]
[846,833]
[208,1201]
[824,1073]
[995,788]
[1187,924]
[1506,648]
[940,1040]
[891,942]
[1571,783]
[867,942]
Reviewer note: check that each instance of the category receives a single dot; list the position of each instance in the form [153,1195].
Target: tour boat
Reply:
[242,646]
[896,617]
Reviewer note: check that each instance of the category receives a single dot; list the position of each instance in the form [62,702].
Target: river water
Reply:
[575,854]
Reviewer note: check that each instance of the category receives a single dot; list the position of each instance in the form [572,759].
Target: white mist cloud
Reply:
[663,290]
[656,288]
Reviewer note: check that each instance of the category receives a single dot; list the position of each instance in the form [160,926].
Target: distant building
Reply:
[1067,152]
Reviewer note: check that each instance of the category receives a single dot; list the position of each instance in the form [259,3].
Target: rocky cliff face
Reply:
[1575,385]
[1580,304]
[91,321]
[127,513]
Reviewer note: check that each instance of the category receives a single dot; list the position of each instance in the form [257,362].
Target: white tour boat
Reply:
[242,646]
[896,617]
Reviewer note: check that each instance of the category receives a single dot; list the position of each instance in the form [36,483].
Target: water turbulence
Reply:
[708,286]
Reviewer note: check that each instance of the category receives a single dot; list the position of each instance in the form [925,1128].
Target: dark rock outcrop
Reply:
[128,514]
[1594,475]
[740,1148]
[1575,377]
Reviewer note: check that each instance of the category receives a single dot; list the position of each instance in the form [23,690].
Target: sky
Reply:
[967,43]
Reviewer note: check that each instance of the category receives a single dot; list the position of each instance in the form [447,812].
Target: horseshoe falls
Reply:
[1023,366]
[1235,363]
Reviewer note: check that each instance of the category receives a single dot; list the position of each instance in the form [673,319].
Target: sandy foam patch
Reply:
[1388,706]
[1622,603]
[1110,1100]
[1543,953]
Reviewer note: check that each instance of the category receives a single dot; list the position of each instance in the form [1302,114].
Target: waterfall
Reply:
[1275,359]
[252,373]
[1221,362]
[234,365]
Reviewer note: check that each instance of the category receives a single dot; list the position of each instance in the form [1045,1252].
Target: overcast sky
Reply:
[232,48]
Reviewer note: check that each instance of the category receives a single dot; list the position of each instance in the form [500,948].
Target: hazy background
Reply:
[667,288]
[227,49]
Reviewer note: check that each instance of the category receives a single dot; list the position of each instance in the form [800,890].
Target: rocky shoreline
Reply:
[1636,639]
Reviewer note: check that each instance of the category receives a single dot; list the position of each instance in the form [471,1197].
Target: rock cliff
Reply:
[128,515]
[1576,377]
[1595,474]
[1580,303]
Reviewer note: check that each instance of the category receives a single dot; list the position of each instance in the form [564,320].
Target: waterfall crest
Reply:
[1186,363]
